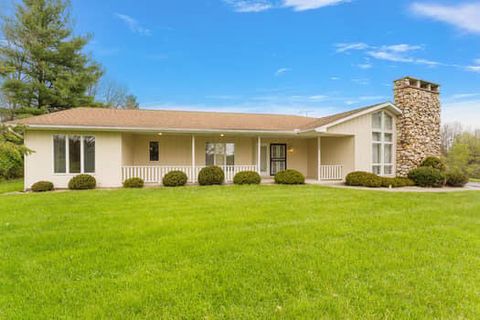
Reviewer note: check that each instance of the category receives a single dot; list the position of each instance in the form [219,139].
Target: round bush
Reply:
[82,182]
[210,176]
[427,177]
[435,163]
[289,177]
[42,186]
[133,183]
[456,179]
[175,179]
[247,177]
[363,179]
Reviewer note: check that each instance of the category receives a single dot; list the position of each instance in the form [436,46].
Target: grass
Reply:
[474,180]
[11,185]
[252,252]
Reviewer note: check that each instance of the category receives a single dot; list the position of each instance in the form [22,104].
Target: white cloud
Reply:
[264,5]
[335,78]
[249,5]
[302,5]
[345,47]
[281,71]
[133,24]
[464,16]
[365,66]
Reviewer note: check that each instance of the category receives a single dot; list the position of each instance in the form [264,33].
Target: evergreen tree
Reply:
[43,63]
[131,102]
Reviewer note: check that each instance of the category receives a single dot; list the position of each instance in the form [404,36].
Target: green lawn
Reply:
[232,252]
[474,180]
[11,185]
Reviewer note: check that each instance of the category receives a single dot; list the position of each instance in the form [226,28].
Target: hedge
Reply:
[175,179]
[42,186]
[289,177]
[363,179]
[133,183]
[82,182]
[456,179]
[427,177]
[435,163]
[247,177]
[212,175]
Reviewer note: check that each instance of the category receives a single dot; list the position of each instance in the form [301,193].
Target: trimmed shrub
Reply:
[42,186]
[289,177]
[363,179]
[397,182]
[175,179]
[82,182]
[247,177]
[133,183]
[427,177]
[435,163]
[211,176]
[457,179]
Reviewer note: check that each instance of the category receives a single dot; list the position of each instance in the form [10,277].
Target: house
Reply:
[387,138]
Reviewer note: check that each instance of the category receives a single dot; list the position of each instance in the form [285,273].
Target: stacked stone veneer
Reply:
[419,125]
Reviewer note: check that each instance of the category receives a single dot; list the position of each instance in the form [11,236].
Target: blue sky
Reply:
[312,57]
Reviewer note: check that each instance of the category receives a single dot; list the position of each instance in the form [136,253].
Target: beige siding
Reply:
[339,150]
[312,170]
[39,165]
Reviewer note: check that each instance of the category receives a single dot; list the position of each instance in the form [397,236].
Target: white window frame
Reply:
[382,142]
[224,156]
[67,154]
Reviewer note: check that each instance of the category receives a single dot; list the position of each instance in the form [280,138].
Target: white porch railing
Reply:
[331,172]
[155,174]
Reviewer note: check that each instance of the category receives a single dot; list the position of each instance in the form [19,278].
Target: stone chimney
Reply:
[419,125]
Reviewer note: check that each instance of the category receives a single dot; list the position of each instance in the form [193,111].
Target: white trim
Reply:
[194,178]
[67,155]
[319,158]
[163,130]
[259,154]
[382,131]
[389,105]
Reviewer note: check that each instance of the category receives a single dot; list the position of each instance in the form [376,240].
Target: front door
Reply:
[278,158]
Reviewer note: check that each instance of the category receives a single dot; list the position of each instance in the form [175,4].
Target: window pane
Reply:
[230,153]
[74,153]
[388,153]
[388,137]
[377,136]
[263,159]
[377,120]
[376,169]
[388,122]
[219,154]
[154,151]
[209,154]
[59,154]
[89,154]
[388,169]
[377,155]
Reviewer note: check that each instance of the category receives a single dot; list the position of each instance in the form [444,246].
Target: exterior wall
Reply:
[339,150]
[39,165]
[419,125]
[361,131]
[312,160]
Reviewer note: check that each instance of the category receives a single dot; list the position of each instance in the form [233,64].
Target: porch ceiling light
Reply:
[160,133]
[222,135]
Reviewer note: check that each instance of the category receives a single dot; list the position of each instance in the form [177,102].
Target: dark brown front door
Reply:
[278,158]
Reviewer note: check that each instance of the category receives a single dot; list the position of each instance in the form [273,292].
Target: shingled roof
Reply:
[179,120]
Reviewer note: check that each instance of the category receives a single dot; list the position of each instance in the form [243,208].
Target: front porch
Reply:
[320,158]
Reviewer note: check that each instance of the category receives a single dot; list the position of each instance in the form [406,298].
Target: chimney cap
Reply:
[420,84]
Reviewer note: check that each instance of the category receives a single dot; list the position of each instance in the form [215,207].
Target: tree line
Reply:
[43,66]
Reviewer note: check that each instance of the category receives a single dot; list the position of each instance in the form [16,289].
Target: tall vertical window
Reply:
[220,154]
[73,154]
[382,143]
[154,151]
[59,154]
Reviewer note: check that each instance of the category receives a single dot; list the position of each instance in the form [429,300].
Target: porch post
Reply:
[193,178]
[319,157]
[259,150]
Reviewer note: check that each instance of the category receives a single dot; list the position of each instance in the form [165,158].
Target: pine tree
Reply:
[131,102]
[43,63]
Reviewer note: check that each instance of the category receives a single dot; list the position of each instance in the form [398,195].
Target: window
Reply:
[382,143]
[219,154]
[73,154]
[154,151]
[59,154]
